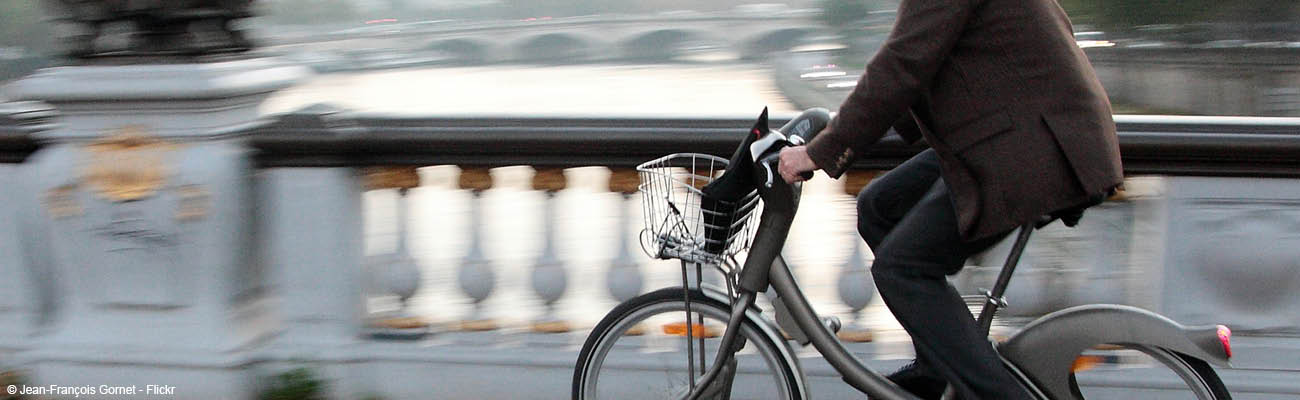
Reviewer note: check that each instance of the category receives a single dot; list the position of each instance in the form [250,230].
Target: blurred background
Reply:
[712,56]
[467,263]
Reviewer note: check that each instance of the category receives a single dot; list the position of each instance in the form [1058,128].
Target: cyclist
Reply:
[1018,126]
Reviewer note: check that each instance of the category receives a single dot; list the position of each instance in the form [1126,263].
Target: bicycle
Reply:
[752,359]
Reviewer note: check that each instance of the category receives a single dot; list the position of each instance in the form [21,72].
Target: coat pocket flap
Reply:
[1091,149]
[976,131]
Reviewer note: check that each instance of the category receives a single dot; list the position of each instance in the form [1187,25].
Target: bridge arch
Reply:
[463,51]
[665,44]
[553,48]
[774,41]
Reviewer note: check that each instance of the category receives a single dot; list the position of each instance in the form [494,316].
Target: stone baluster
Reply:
[476,276]
[856,287]
[398,272]
[624,278]
[549,277]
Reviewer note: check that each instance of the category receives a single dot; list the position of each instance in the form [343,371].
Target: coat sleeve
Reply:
[924,33]
[907,128]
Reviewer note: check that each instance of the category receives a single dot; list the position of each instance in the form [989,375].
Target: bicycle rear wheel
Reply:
[1131,371]
[616,365]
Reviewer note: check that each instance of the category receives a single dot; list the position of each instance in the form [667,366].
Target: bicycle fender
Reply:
[1045,349]
[769,329]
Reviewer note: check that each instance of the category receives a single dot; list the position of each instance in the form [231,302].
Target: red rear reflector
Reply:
[756,132]
[1225,337]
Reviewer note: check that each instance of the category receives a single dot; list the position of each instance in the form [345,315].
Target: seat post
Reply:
[994,299]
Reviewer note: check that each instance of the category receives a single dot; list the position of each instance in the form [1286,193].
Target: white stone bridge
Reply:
[574,39]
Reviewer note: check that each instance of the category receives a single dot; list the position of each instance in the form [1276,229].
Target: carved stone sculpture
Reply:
[159,27]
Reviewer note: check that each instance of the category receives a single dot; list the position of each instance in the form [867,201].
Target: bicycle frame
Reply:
[765,267]
[1036,354]
[856,373]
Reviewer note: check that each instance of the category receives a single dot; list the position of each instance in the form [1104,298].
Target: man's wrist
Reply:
[824,152]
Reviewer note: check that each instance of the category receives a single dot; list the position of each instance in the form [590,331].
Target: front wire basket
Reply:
[676,226]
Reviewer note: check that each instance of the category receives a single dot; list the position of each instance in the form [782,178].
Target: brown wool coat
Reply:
[1002,93]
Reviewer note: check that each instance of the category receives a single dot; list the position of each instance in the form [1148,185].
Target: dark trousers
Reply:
[908,219]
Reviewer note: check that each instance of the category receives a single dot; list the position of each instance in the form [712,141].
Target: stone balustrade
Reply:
[528,250]
[517,249]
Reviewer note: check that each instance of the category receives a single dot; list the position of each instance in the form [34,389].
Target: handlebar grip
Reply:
[803,128]
[772,159]
[807,125]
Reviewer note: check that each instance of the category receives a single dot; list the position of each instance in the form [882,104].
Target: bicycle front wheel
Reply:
[640,350]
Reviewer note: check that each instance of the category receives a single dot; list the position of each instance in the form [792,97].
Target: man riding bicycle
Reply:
[1018,126]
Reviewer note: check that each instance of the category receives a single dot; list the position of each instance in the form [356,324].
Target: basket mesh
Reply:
[676,226]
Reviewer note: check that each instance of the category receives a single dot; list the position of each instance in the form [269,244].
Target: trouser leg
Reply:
[884,202]
[917,244]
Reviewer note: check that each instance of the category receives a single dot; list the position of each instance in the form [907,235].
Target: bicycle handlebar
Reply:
[781,199]
[804,128]
[753,166]
[757,150]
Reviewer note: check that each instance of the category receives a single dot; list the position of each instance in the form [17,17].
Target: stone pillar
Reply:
[1231,254]
[311,221]
[25,307]
[141,213]
[19,305]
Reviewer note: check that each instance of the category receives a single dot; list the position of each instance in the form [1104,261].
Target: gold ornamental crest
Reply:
[126,165]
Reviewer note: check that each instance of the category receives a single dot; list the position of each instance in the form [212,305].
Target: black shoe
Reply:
[918,380]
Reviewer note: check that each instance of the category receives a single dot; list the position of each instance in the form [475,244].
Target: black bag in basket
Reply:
[722,196]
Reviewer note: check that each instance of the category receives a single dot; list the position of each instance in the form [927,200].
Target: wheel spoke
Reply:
[690,352]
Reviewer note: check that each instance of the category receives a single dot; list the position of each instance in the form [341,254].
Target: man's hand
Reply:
[794,161]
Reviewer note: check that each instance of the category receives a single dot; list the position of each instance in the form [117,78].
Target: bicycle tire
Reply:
[1202,383]
[594,366]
